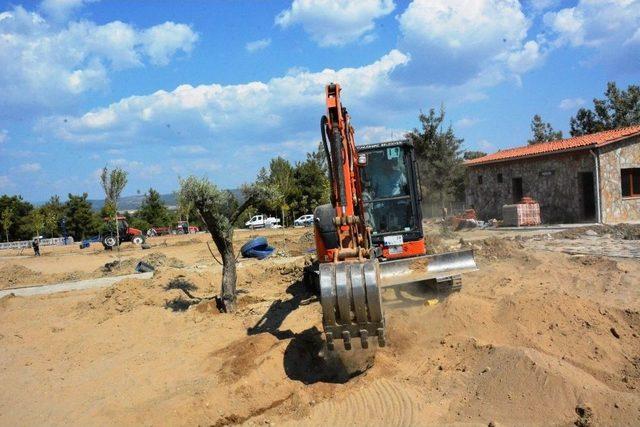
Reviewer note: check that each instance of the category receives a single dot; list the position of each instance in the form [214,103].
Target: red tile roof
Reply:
[586,141]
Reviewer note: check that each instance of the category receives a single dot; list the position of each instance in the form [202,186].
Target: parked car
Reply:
[304,221]
[262,221]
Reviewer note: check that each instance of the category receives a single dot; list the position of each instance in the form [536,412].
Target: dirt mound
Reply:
[127,266]
[617,231]
[534,337]
[494,248]
[244,356]
[12,275]
[270,274]
[160,291]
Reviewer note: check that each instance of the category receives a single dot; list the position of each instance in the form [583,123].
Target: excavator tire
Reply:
[323,218]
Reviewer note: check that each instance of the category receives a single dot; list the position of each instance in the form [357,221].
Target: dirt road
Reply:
[535,337]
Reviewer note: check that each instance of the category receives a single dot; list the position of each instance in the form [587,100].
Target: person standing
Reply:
[36,246]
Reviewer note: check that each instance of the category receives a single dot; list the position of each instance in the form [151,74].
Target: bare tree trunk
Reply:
[117,227]
[223,239]
[229,276]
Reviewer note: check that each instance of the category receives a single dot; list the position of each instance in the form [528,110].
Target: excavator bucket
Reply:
[351,302]
[350,292]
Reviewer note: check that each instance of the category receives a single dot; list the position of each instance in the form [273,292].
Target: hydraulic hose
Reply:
[323,127]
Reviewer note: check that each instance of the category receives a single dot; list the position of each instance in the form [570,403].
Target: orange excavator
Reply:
[370,236]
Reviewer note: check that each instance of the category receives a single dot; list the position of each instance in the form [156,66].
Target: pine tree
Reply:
[542,131]
[81,221]
[619,108]
[153,210]
[439,160]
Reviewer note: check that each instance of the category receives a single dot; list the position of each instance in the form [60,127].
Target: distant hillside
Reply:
[132,203]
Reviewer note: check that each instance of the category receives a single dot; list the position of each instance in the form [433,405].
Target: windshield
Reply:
[385,174]
[386,193]
[390,216]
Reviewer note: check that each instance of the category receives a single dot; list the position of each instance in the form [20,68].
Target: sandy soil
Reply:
[534,337]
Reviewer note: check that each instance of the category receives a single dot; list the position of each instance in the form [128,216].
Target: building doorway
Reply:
[516,189]
[588,195]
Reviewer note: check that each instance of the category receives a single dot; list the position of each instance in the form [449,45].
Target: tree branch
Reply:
[243,207]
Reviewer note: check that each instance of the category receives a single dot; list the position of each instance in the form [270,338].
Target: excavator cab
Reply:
[391,196]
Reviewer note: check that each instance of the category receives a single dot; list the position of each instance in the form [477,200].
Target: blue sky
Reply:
[217,88]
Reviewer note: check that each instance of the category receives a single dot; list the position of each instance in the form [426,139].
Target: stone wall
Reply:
[553,180]
[624,154]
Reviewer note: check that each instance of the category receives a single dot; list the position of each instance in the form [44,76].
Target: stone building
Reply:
[593,177]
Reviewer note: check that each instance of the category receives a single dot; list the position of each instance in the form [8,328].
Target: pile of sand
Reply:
[12,275]
[532,338]
[494,249]
[127,265]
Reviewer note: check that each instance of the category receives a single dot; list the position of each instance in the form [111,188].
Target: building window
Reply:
[630,182]
[480,179]
[499,178]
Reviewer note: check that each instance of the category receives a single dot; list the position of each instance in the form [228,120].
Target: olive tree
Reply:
[219,210]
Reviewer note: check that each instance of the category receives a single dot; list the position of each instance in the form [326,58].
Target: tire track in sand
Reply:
[382,403]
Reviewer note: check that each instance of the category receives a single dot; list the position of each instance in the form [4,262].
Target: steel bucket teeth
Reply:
[351,303]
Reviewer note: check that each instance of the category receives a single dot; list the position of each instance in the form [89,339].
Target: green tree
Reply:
[153,210]
[311,185]
[281,177]
[18,229]
[619,108]
[439,160]
[81,221]
[542,131]
[113,183]
[7,220]
[53,212]
[219,210]
[36,221]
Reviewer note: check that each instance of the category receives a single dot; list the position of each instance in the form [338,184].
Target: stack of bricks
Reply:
[525,213]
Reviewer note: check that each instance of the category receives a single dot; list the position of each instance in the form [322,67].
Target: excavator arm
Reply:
[349,291]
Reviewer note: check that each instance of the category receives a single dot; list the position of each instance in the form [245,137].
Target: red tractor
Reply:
[126,234]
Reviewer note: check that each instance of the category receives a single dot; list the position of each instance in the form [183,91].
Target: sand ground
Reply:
[535,337]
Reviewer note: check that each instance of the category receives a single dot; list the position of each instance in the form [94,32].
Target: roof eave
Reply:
[529,156]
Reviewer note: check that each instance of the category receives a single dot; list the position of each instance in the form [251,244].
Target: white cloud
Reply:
[29,167]
[150,171]
[161,42]
[60,9]
[526,59]
[6,182]
[466,122]
[608,27]
[4,135]
[126,164]
[486,146]
[335,23]
[375,134]
[571,103]
[257,45]
[221,113]
[538,6]
[46,65]
[452,41]
[194,166]
[188,149]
